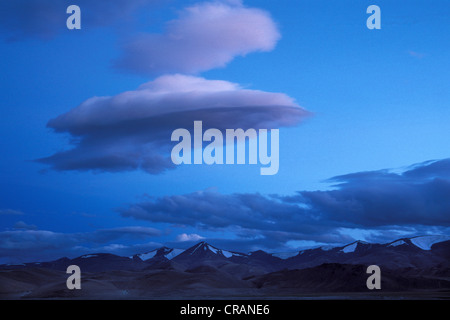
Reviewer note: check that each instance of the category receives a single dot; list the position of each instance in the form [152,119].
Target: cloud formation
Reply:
[132,130]
[10,212]
[205,36]
[248,216]
[189,237]
[43,19]
[382,205]
[383,202]
[25,226]
[418,196]
[28,245]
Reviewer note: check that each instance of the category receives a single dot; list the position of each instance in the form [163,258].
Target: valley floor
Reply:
[309,284]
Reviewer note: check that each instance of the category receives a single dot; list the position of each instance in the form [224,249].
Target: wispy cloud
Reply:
[10,212]
[24,226]
[416,54]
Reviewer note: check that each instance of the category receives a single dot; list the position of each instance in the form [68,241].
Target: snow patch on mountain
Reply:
[173,253]
[166,252]
[225,253]
[148,255]
[208,247]
[426,242]
[201,244]
[350,248]
[211,248]
[397,243]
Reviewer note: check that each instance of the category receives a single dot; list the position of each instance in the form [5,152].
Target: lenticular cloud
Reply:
[205,36]
[132,130]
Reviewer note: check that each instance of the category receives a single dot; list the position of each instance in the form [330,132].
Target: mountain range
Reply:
[418,264]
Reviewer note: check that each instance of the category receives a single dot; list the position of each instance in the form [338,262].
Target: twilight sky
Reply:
[87,116]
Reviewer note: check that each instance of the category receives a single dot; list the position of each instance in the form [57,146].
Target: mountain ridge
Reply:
[420,251]
[415,268]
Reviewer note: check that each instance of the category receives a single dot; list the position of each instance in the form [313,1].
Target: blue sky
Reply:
[378,100]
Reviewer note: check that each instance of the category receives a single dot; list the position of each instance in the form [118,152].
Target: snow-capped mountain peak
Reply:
[421,242]
[402,253]
[207,250]
[146,256]
[352,246]
[168,253]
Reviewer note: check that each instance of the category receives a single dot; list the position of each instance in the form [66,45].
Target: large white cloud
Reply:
[205,36]
[132,130]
